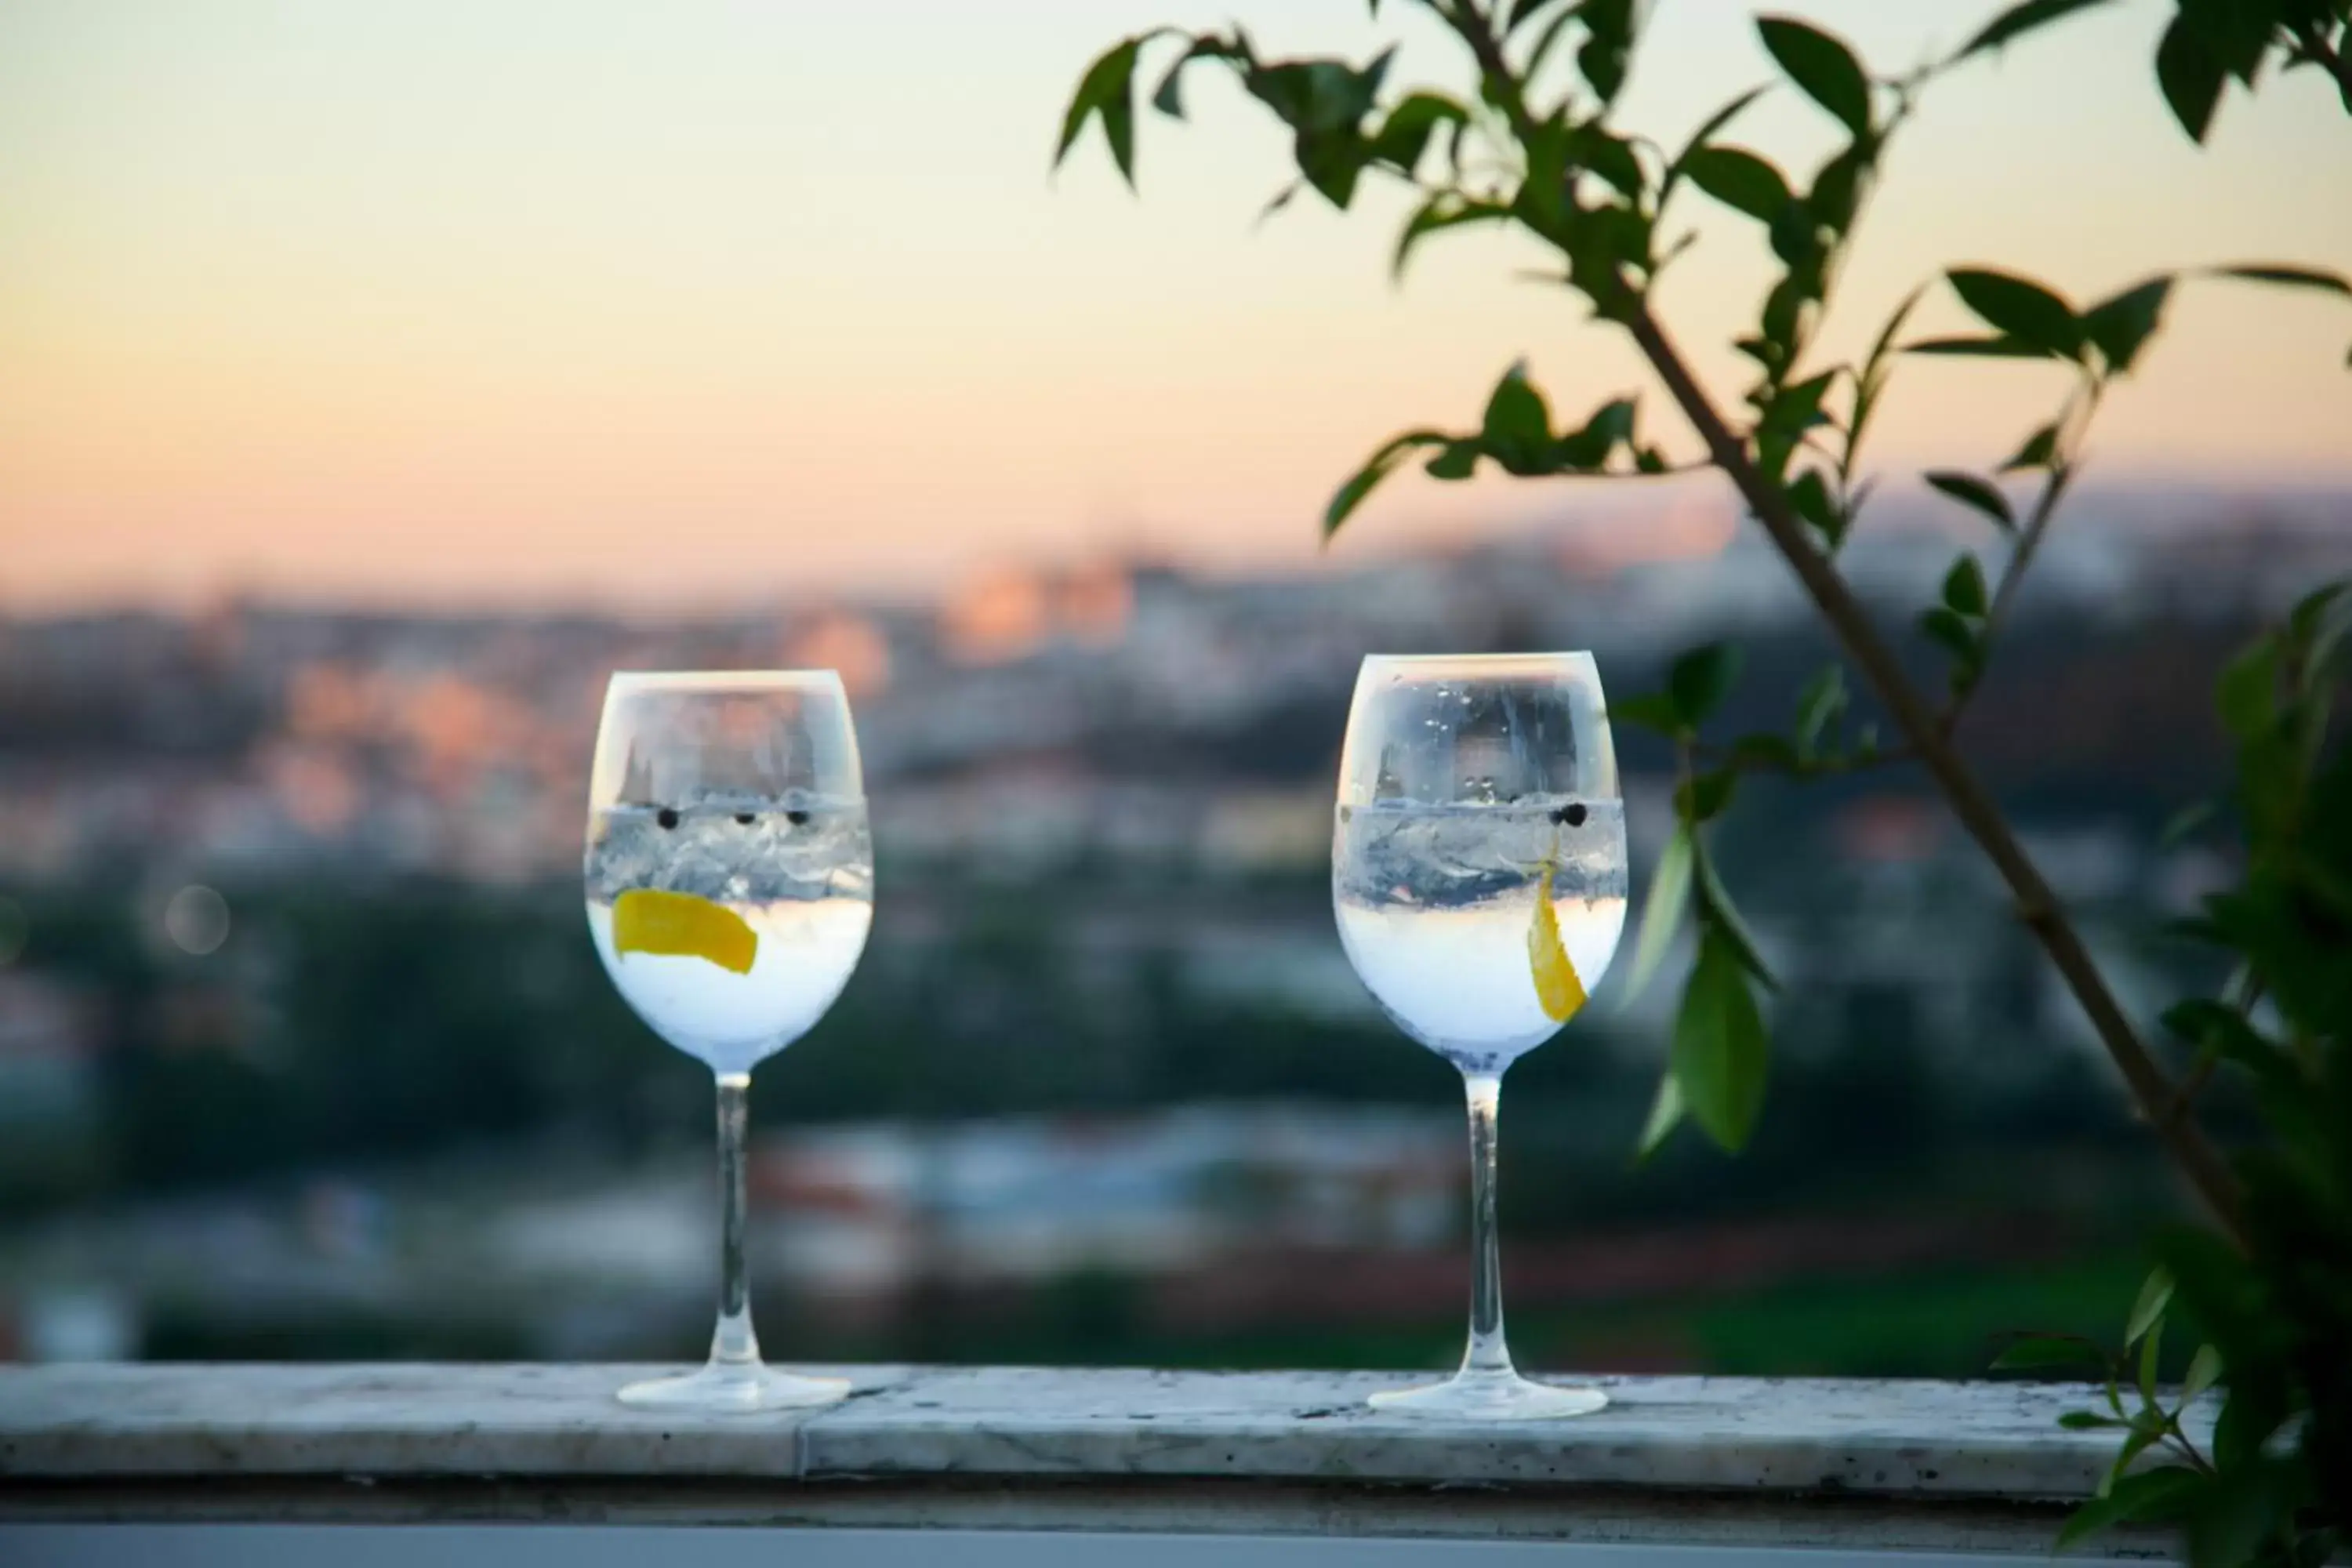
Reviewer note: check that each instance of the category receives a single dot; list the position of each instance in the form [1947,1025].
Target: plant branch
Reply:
[2028,540]
[1671,472]
[2151,1088]
[1477,31]
[2331,59]
[2180,1441]
[2185,1093]
[2012,576]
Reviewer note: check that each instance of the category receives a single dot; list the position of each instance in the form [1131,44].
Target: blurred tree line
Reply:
[354,1033]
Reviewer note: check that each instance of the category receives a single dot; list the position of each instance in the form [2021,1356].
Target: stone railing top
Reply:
[1843,1438]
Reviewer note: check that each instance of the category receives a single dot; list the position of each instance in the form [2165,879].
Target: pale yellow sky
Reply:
[717,301]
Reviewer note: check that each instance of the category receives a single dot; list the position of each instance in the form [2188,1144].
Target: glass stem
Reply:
[733,1343]
[1487,1354]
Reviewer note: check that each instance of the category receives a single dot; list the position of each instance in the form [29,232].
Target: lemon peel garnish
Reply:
[680,925]
[1556,987]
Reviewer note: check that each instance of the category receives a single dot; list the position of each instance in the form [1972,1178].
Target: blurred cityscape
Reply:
[304,1051]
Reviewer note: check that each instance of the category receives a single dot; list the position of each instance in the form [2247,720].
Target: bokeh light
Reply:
[197,919]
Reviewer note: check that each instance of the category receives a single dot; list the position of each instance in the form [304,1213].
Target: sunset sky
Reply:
[705,302]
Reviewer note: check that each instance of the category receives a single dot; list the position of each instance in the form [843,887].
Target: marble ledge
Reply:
[1913,1441]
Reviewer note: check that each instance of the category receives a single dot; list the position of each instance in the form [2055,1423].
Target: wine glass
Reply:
[730,886]
[1479,873]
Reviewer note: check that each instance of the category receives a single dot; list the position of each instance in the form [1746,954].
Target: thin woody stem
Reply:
[2331,59]
[2077,414]
[2152,1090]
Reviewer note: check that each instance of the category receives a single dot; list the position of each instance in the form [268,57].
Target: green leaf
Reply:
[1543,189]
[2151,1352]
[1168,96]
[1980,494]
[2249,1419]
[2154,1494]
[1168,99]
[2319,619]
[1817,705]
[1107,90]
[1280,199]
[1443,210]
[1458,460]
[1699,138]
[1797,407]
[2288,277]
[1796,239]
[1823,68]
[1652,710]
[1666,1112]
[1763,351]
[1662,915]
[2039,451]
[1613,422]
[1319,95]
[1700,679]
[1766,749]
[1718,917]
[1516,417]
[2119,327]
[1611,425]
[1704,796]
[1720,1052]
[1541,51]
[1874,369]
[2136,1442]
[1376,467]
[2086,1421]
[2048,1350]
[2155,1295]
[1602,243]
[1605,53]
[2236,1512]
[2020,308]
[1740,180]
[1808,493]
[2185,821]
[1403,137]
[1332,161]
[2239,35]
[2218,1029]
[2247,693]
[1979,348]
[1836,198]
[1950,631]
[1964,587]
[2021,19]
[2204,1372]
[2190,77]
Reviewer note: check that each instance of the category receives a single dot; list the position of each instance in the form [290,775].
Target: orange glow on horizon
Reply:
[731,304]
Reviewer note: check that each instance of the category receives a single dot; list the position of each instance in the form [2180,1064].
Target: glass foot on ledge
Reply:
[1489,1396]
[734,1389]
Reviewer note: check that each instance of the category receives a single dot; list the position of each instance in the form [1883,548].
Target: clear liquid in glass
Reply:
[1437,909]
[798,872]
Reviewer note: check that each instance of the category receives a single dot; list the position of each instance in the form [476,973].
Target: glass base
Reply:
[1489,1396]
[734,1388]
